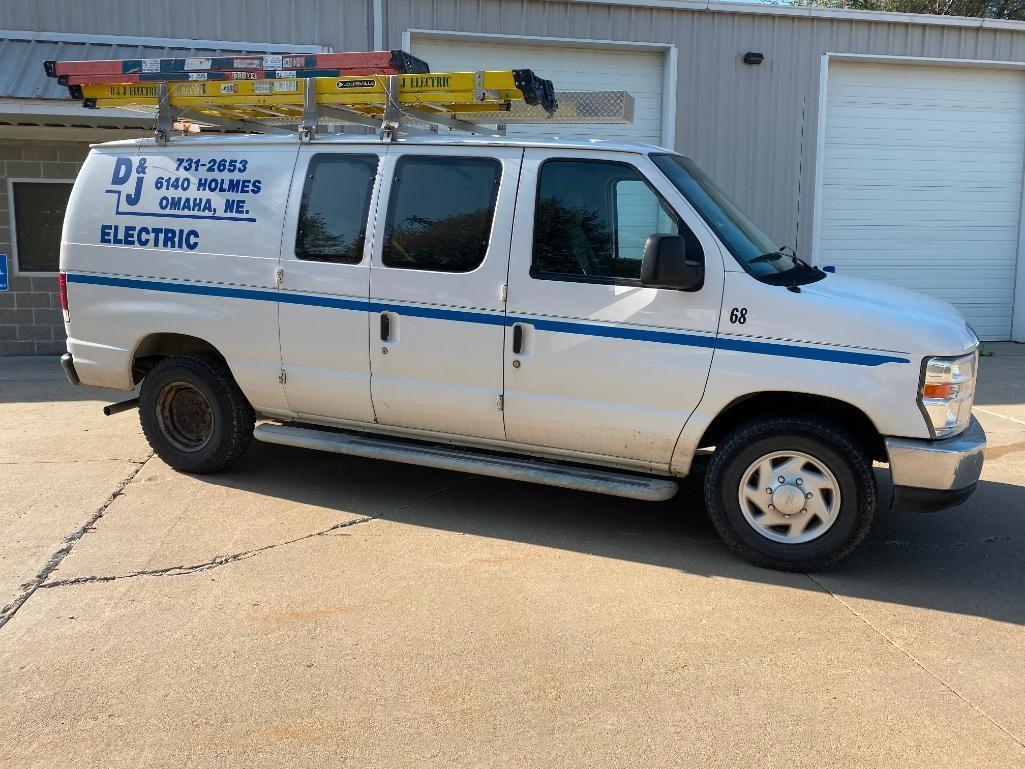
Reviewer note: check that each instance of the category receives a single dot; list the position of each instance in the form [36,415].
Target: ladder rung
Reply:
[232,76]
[366,62]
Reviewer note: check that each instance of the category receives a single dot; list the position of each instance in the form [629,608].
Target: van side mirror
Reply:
[668,263]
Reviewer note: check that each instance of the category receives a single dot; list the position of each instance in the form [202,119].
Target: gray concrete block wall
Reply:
[30,315]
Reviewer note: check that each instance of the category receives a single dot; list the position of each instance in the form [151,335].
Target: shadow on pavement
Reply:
[42,380]
[968,560]
[46,391]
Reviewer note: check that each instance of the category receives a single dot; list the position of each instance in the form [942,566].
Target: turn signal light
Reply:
[939,391]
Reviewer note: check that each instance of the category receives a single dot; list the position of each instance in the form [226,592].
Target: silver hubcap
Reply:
[789,496]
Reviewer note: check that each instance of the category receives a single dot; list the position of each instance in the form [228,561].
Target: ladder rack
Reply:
[389,91]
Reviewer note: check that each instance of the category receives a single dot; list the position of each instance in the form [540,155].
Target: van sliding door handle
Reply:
[385,327]
[517,338]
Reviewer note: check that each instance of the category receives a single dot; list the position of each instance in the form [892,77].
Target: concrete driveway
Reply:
[314,610]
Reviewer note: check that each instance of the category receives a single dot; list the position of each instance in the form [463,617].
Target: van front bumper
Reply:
[932,475]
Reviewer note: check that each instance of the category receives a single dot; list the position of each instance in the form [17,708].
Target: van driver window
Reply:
[440,213]
[593,219]
[335,203]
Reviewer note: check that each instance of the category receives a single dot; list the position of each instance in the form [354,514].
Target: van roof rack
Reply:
[390,91]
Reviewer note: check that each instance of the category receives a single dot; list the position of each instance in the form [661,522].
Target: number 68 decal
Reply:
[738,315]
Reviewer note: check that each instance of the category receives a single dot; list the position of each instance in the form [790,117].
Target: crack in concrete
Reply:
[30,587]
[221,560]
[194,568]
[918,663]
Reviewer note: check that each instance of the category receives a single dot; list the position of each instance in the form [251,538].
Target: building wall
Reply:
[752,128]
[343,24]
[30,315]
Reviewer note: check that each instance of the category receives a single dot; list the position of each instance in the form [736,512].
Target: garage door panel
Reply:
[927,180]
[873,137]
[914,233]
[854,150]
[994,274]
[941,191]
[883,257]
[940,80]
[897,115]
[898,134]
[570,68]
[978,218]
[870,203]
[920,164]
[922,182]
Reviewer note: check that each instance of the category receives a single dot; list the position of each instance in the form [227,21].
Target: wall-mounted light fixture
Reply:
[753,57]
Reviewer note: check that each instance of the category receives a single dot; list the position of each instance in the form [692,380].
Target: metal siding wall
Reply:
[753,128]
[344,24]
[744,124]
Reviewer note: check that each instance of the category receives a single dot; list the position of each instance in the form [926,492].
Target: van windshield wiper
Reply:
[798,261]
[790,277]
[789,253]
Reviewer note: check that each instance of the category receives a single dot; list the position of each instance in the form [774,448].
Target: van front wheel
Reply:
[791,493]
[194,415]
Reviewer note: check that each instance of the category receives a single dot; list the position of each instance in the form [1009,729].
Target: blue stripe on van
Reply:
[807,353]
[438,313]
[309,300]
[829,355]
[201,289]
[619,332]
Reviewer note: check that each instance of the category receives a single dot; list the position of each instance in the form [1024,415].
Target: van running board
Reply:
[619,484]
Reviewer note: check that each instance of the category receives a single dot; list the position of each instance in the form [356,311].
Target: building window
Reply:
[38,219]
[593,219]
[440,213]
[335,204]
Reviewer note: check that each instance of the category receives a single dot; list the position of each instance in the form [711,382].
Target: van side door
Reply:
[323,299]
[436,288]
[595,362]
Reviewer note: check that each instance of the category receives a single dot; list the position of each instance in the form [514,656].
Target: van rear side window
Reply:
[335,204]
[440,213]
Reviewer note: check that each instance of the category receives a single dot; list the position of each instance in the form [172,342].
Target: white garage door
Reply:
[922,182]
[569,68]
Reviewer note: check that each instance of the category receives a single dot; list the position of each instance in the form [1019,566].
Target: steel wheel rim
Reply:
[185,416]
[789,497]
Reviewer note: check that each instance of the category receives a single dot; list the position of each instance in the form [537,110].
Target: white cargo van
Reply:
[589,315]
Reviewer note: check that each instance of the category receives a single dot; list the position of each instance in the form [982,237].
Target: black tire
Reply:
[826,443]
[194,415]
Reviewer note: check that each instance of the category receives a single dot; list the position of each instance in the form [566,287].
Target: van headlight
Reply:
[947,391]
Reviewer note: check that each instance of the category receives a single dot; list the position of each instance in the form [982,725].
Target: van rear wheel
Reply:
[194,415]
[791,493]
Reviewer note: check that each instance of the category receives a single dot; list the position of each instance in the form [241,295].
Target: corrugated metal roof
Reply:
[21,59]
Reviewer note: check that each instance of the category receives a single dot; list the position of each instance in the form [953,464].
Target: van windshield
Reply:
[755,251]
